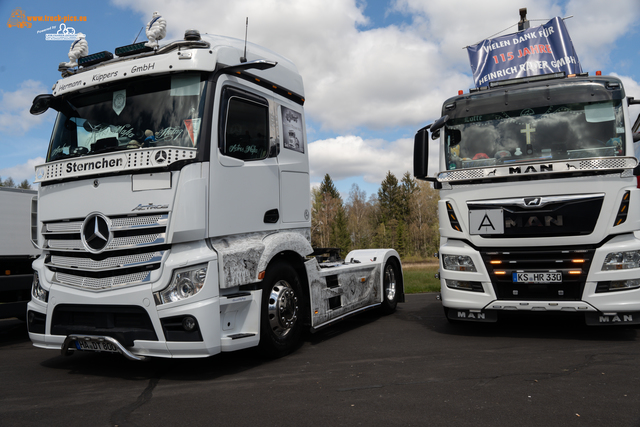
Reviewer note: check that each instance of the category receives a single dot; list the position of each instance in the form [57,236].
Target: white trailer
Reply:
[16,251]
[174,209]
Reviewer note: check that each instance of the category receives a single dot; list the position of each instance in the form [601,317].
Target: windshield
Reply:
[567,131]
[161,111]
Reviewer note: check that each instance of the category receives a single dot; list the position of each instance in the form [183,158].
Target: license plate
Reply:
[537,277]
[96,346]
[486,221]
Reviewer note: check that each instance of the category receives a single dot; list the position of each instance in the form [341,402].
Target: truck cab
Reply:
[174,208]
[537,183]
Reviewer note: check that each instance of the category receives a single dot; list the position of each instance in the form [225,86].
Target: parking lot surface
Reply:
[411,368]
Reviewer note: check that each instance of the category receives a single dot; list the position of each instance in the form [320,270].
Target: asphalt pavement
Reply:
[410,368]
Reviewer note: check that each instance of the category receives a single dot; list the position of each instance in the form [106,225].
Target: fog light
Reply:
[617,285]
[189,323]
[464,285]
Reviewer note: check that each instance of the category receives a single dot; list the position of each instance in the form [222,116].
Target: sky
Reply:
[374,71]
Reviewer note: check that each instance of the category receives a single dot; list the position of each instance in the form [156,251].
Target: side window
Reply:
[244,132]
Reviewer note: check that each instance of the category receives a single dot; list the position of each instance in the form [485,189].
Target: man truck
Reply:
[539,199]
[174,211]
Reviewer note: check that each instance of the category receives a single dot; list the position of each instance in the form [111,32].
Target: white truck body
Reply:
[174,210]
[16,251]
[539,200]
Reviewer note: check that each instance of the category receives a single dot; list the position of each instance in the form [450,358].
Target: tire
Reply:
[282,312]
[390,287]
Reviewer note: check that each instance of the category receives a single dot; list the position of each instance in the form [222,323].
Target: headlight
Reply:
[458,263]
[38,291]
[185,283]
[621,260]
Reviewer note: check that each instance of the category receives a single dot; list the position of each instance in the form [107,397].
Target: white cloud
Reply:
[347,156]
[595,28]
[21,172]
[15,118]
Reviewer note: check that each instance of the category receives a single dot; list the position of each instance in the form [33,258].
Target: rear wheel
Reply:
[283,306]
[390,287]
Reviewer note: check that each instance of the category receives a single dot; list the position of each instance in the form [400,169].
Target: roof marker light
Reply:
[94,58]
[460,92]
[132,49]
[598,73]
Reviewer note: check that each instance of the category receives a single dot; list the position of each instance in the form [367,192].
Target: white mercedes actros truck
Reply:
[539,203]
[174,209]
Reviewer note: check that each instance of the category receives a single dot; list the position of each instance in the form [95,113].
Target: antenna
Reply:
[246,30]
[134,42]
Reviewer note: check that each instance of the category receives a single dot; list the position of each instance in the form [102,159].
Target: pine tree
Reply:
[408,186]
[340,235]
[389,198]
[9,183]
[327,187]
[25,185]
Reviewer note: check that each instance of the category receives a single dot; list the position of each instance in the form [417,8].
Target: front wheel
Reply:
[390,287]
[282,311]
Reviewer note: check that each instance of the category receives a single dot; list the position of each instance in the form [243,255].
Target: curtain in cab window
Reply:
[246,134]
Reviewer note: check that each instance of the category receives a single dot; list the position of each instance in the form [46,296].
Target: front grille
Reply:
[502,265]
[553,216]
[101,283]
[124,323]
[135,248]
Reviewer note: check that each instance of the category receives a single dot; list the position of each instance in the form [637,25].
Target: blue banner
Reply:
[534,51]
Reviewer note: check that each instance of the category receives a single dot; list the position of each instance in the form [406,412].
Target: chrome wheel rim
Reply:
[282,308]
[390,282]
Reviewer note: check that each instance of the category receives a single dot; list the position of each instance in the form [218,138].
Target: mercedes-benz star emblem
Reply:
[161,156]
[96,234]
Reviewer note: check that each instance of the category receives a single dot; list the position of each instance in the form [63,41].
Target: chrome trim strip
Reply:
[539,168]
[88,264]
[520,201]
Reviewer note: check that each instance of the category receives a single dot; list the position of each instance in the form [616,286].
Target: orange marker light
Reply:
[598,73]
[460,92]
[500,272]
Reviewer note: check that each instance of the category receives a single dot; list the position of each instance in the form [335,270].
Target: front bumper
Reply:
[587,301]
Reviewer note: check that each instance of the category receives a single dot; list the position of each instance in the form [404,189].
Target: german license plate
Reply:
[96,346]
[537,277]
